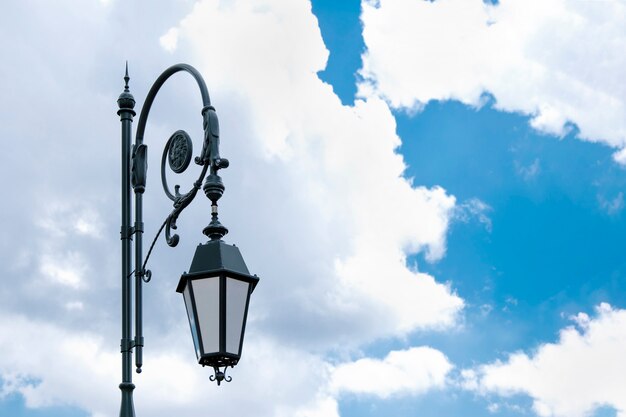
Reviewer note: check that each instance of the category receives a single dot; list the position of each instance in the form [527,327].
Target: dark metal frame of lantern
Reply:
[217,292]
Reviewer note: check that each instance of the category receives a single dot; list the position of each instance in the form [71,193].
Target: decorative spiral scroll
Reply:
[177,152]
[220,375]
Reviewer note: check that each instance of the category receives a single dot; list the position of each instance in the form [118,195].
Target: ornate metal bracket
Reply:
[220,375]
[178,151]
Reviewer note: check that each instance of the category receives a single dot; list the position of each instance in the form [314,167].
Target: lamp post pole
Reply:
[126,103]
[212,260]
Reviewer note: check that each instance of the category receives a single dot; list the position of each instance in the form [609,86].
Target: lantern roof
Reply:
[215,256]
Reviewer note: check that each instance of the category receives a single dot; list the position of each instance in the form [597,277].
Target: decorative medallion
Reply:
[180,151]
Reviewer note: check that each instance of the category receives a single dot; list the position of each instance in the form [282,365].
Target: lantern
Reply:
[216,291]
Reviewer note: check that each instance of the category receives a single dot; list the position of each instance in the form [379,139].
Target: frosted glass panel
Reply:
[236,298]
[192,322]
[207,295]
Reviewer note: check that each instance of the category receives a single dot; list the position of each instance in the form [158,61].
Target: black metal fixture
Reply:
[219,276]
[217,288]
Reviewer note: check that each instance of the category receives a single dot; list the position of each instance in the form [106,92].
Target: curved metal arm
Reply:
[206,101]
[179,146]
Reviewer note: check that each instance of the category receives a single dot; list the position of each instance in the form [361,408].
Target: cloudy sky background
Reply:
[431,193]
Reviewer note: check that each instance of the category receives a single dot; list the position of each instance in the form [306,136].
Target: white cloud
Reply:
[410,372]
[493,408]
[172,382]
[555,61]
[581,372]
[65,269]
[74,306]
[474,208]
[314,197]
[528,172]
[169,41]
[337,164]
[61,218]
[59,362]
[413,371]
[620,156]
[88,223]
[612,206]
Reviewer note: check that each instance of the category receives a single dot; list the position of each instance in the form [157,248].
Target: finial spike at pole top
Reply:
[126,78]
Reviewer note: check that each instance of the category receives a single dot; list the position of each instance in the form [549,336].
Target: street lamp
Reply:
[217,288]
[219,276]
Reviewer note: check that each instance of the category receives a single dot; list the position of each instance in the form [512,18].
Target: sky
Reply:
[431,192]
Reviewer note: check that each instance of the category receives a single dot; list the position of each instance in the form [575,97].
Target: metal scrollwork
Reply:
[180,151]
[177,152]
[220,375]
[146,276]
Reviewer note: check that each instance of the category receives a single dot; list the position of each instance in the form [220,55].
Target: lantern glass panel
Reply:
[236,300]
[207,297]
[192,320]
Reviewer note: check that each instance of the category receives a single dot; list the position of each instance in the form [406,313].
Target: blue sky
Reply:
[440,182]
[550,249]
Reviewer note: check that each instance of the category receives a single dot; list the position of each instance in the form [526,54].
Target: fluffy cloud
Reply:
[81,369]
[411,371]
[555,61]
[401,373]
[583,371]
[44,362]
[69,271]
[315,199]
[346,192]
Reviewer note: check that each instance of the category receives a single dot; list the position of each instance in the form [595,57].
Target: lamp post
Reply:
[216,290]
